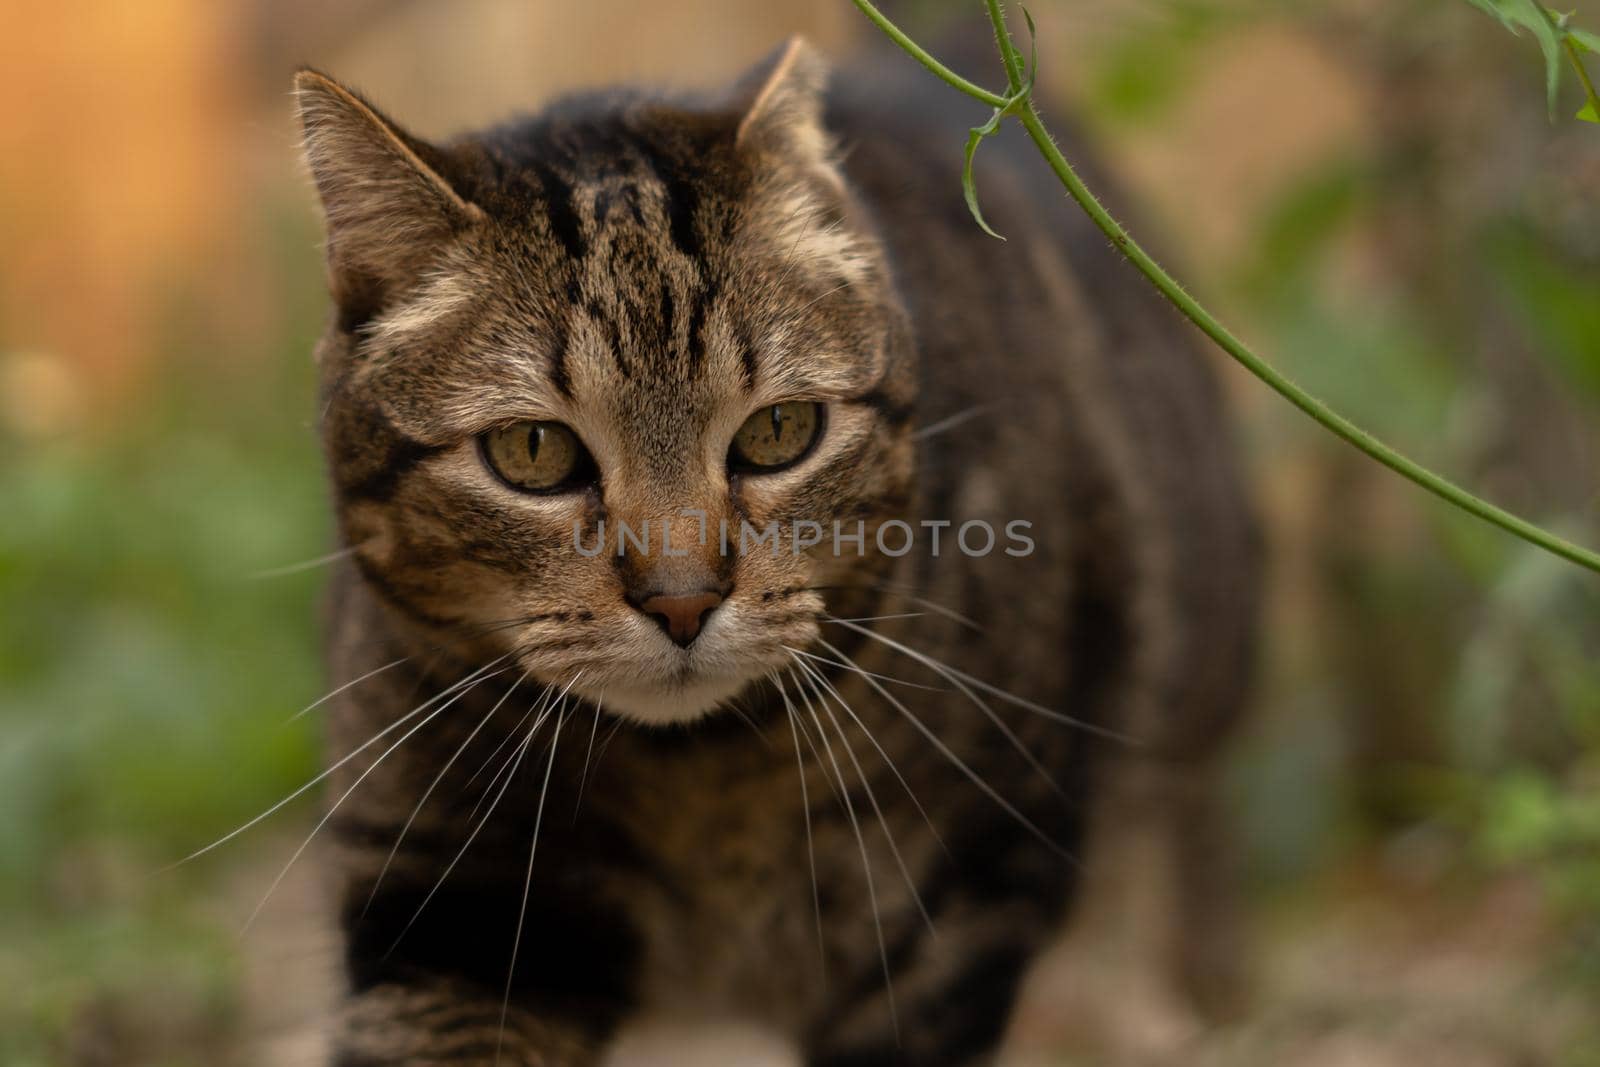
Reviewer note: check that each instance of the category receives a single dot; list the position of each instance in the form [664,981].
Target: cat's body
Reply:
[709,867]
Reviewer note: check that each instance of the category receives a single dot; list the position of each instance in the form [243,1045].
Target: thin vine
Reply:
[1018,103]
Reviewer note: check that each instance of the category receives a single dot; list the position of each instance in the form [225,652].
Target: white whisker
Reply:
[730,705]
[1000,724]
[611,735]
[388,860]
[334,807]
[956,678]
[905,872]
[374,739]
[950,422]
[588,755]
[304,565]
[546,706]
[866,862]
[545,697]
[805,732]
[973,776]
[527,882]
[853,668]
[520,751]
[882,618]
[851,712]
[805,807]
[924,602]
[350,684]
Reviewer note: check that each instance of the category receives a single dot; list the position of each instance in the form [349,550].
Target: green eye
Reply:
[538,457]
[776,436]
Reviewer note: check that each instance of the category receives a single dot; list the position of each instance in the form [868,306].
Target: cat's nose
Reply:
[681,616]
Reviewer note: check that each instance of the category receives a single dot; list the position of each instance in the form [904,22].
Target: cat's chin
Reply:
[663,705]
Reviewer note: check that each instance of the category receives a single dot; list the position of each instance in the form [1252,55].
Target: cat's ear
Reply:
[781,99]
[802,195]
[388,208]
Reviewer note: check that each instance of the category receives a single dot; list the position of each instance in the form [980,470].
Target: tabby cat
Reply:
[768,599]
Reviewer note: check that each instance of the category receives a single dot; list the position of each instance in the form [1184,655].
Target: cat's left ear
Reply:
[781,99]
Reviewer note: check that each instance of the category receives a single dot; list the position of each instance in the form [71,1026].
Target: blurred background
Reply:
[1370,191]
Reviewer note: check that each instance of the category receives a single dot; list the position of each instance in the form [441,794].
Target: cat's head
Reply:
[618,314]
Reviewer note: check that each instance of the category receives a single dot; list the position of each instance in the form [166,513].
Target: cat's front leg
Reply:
[443,1023]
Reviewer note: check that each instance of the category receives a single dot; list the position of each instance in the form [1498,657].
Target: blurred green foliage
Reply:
[1141,74]
[146,679]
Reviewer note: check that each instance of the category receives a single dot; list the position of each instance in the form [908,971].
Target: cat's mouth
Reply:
[682,686]
[636,672]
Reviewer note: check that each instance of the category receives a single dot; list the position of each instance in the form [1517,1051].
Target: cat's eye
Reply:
[776,436]
[538,457]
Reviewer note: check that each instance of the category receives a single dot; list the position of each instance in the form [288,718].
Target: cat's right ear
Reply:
[388,207]
[781,101]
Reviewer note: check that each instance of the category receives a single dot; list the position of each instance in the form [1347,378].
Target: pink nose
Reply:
[681,616]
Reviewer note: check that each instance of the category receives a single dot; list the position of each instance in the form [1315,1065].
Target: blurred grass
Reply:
[146,677]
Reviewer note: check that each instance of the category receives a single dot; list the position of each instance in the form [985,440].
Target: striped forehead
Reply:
[606,172]
[640,273]
[634,307]
[632,321]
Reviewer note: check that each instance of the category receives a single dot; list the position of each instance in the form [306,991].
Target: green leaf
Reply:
[975,136]
[1532,14]
[1492,7]
[969,187]
[1590,113]
[1589,42]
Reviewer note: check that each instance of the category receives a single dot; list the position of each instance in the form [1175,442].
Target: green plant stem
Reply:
[1583,72]
[1002,41]
[1348,431]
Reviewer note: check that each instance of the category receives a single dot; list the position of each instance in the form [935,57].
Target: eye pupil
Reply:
[538,457]
[776,437]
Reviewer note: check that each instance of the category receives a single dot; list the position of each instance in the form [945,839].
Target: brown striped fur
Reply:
[649,270]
